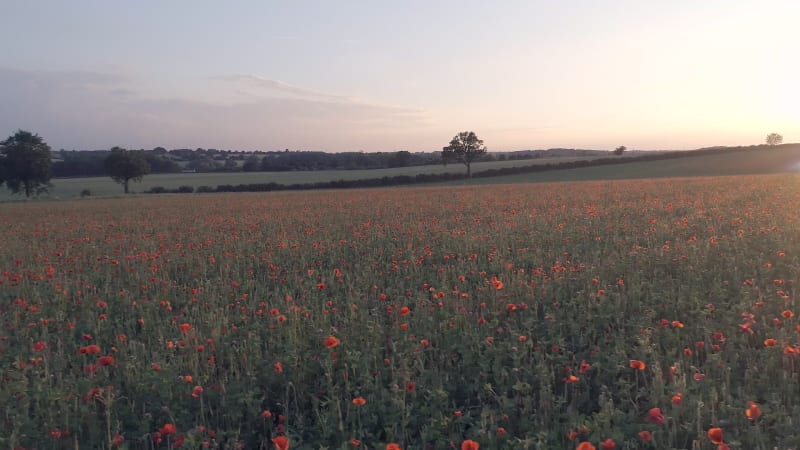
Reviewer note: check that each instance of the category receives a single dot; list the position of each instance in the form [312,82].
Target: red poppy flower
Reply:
[331,342]
[572,435]
[281,443]
[197,391]
[637,364]
[497,283]
[655,416]
[608,444]
[92,349]
[715,434]
[585,445]
[104,361]
[393,446]
[469,444]
[39,346]
[167,429]
[359,401]
[753,412]
[646,436]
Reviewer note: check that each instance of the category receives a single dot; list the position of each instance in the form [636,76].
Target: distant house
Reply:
[188,170]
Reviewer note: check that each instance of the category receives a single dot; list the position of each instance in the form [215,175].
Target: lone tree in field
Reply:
[25,163]
[125,165]
[620,150]
[774,139]
[465,147]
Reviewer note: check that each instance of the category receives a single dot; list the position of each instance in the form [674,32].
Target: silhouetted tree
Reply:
[620,150]
[465,147]
[230,166]
[252,164]
[125,165]
[774,139]
[204,164]
[25,163]
[400,159]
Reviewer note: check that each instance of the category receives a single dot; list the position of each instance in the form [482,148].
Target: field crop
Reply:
[69,188]
[649,314]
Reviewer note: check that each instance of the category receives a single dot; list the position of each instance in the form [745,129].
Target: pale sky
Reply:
[380,75]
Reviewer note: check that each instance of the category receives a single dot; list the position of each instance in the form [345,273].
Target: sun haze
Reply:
[384,76]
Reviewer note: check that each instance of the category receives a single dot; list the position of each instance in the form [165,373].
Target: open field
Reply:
[780,159]
[639,314]
[784,159]
[66,188]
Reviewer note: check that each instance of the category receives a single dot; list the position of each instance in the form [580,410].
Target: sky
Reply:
[390,75]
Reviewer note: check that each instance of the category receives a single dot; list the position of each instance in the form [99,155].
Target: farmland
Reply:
[629,314]
[732,161]
[65,188]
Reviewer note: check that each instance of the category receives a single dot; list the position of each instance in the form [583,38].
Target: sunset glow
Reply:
[375,76]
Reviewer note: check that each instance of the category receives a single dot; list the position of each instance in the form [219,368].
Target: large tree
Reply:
[774,139]
[465,147]
[125,165]
[25,163]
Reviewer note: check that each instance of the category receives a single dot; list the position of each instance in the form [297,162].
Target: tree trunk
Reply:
[27,189]
[126,185]
[469,171]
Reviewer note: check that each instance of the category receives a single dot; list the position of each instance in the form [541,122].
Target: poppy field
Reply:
[642,314]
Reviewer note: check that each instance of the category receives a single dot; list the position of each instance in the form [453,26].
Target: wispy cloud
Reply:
[95,110]
[277,87]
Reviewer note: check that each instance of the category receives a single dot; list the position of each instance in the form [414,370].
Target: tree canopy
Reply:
[25,163]
[125,165]
[774,139]
[465,147]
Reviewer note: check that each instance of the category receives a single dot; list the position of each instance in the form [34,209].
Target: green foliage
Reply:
[465,147]
[467,322]
[774,139]
[25,163]
[124,165]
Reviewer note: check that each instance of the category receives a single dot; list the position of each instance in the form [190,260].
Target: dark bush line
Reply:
[180,190]
[441,177]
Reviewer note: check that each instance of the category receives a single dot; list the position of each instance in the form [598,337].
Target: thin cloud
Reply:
[279,87]
[85,110]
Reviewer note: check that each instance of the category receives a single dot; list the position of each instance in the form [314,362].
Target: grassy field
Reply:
[65,188]
[784,159]
[644,314]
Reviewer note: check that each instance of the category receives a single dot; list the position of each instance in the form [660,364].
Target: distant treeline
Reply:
[441,177]
[89,163]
